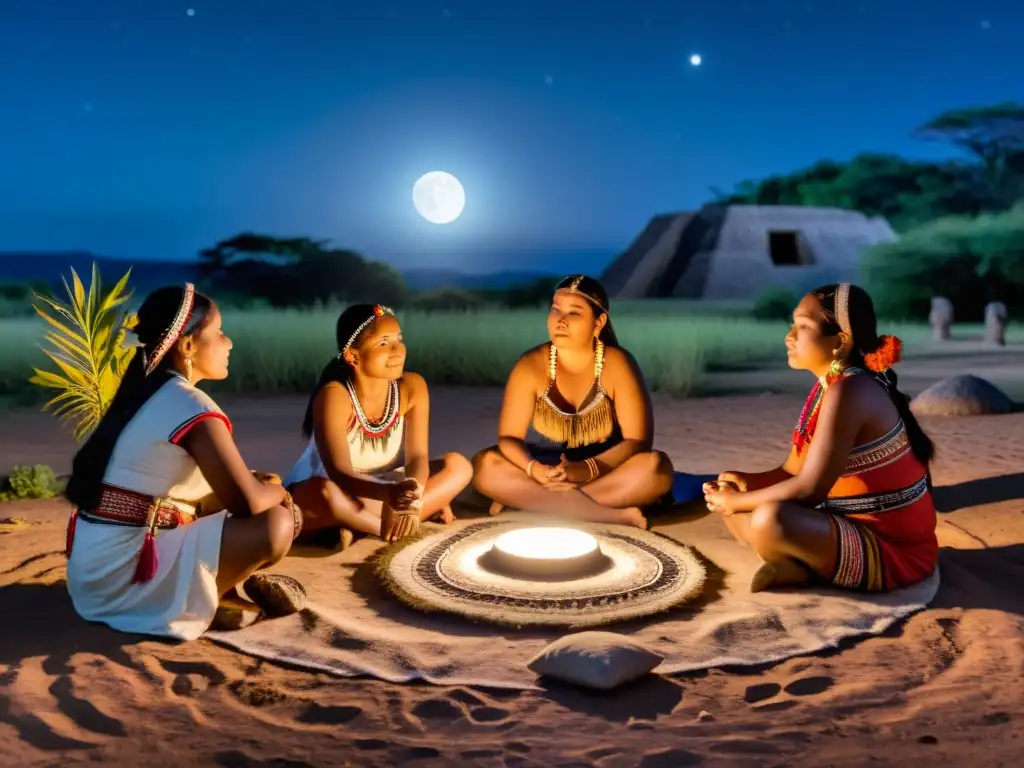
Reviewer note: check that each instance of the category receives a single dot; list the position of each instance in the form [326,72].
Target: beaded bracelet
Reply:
[595,471]
[297,519]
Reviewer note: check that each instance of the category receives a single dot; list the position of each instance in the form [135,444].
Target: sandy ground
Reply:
[943,686]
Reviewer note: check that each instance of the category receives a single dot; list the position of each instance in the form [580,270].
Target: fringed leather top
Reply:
[593,422]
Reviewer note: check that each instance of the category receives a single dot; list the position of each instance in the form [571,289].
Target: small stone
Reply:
[705,716]
[941,318]
[995,323]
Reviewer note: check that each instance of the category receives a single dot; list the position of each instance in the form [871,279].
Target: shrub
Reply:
[85,336]
[970,261]
[775,304]
[38,482]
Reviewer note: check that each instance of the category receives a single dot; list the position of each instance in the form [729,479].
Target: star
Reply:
[695,60]
[986,24]
[190,12]
[87,107]
[548,80]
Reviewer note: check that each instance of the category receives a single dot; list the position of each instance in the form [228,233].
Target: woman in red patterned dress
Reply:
[852,504]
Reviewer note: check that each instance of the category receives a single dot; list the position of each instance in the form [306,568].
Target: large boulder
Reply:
[961,396]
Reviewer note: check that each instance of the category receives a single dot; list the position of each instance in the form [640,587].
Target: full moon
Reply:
[439,197]
[695,60]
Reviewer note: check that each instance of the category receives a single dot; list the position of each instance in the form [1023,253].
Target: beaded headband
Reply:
[843,308]
[379,310]
[173,332]
[574,287]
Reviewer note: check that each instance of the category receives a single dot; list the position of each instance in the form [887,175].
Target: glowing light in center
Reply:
[546,543]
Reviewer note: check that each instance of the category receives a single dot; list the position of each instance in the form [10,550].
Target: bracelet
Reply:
[595,471]
[297,519]
[529,467]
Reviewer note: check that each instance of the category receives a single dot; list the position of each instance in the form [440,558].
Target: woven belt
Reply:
[120,507]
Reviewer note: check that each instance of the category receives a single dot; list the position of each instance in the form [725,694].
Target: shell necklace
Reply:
[376,433]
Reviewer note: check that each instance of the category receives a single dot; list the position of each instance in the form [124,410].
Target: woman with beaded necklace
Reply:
[365,412]
[852,503]
[585,397]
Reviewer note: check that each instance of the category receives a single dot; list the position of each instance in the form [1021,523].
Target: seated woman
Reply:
[366,408]
[586,398]
[852,503]
[146,551]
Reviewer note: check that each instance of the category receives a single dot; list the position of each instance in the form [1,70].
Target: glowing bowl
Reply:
[545,553]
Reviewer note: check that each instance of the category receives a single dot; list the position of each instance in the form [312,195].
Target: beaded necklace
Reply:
[376,433]
[592,423]
[808,420]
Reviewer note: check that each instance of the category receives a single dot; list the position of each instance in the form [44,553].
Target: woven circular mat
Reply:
[647,574]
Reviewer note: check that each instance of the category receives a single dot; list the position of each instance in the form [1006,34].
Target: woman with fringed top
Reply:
[167,517]
[852,504]
[590,456]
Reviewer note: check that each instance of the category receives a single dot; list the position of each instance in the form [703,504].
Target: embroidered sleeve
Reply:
[182,429]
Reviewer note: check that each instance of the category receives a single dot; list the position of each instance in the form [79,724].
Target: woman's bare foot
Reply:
[780,574]
[445,515]
[347,537]
[496,508]
[635,517]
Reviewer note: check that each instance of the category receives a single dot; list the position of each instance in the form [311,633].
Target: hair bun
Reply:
[889,352]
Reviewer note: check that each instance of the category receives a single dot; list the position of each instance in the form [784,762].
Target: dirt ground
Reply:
[941,687]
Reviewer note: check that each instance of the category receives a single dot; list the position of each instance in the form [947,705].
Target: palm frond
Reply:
[84,338]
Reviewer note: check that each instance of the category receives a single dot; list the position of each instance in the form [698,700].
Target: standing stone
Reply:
[941,318]
[995,323]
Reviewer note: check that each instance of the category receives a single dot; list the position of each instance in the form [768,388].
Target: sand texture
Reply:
[943,686]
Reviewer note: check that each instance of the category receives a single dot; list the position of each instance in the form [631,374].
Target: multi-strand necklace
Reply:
[376,433]
[808,420]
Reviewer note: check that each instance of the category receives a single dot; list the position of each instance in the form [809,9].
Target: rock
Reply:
[961,396]
[995,323]
[705,716]
[941,318]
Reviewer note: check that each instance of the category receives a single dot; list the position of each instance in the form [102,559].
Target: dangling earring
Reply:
[834,371]
[188,366]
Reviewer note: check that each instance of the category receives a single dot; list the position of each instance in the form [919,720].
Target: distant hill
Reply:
[427,279]
[50,267]
[27,267]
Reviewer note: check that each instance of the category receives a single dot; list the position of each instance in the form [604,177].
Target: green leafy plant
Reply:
[86,338]
[38,482]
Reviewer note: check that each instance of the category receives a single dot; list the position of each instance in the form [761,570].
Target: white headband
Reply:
[843,308]
[173,331]
[379,310]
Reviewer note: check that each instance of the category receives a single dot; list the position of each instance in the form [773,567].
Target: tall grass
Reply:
[277,351]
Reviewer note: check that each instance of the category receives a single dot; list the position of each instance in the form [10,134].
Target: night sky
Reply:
[153,128]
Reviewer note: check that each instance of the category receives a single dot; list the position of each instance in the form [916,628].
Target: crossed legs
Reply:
[789,539]
[325,505]
[616,497]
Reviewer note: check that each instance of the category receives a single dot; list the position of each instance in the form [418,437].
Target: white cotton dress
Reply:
[182,598]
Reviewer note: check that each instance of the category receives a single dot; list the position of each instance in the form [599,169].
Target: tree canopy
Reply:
[911,192]
[297,271]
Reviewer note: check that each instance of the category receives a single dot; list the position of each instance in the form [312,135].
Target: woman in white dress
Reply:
[366,466]
[150,548]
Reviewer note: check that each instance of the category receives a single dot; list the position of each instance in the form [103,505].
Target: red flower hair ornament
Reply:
[889,352]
